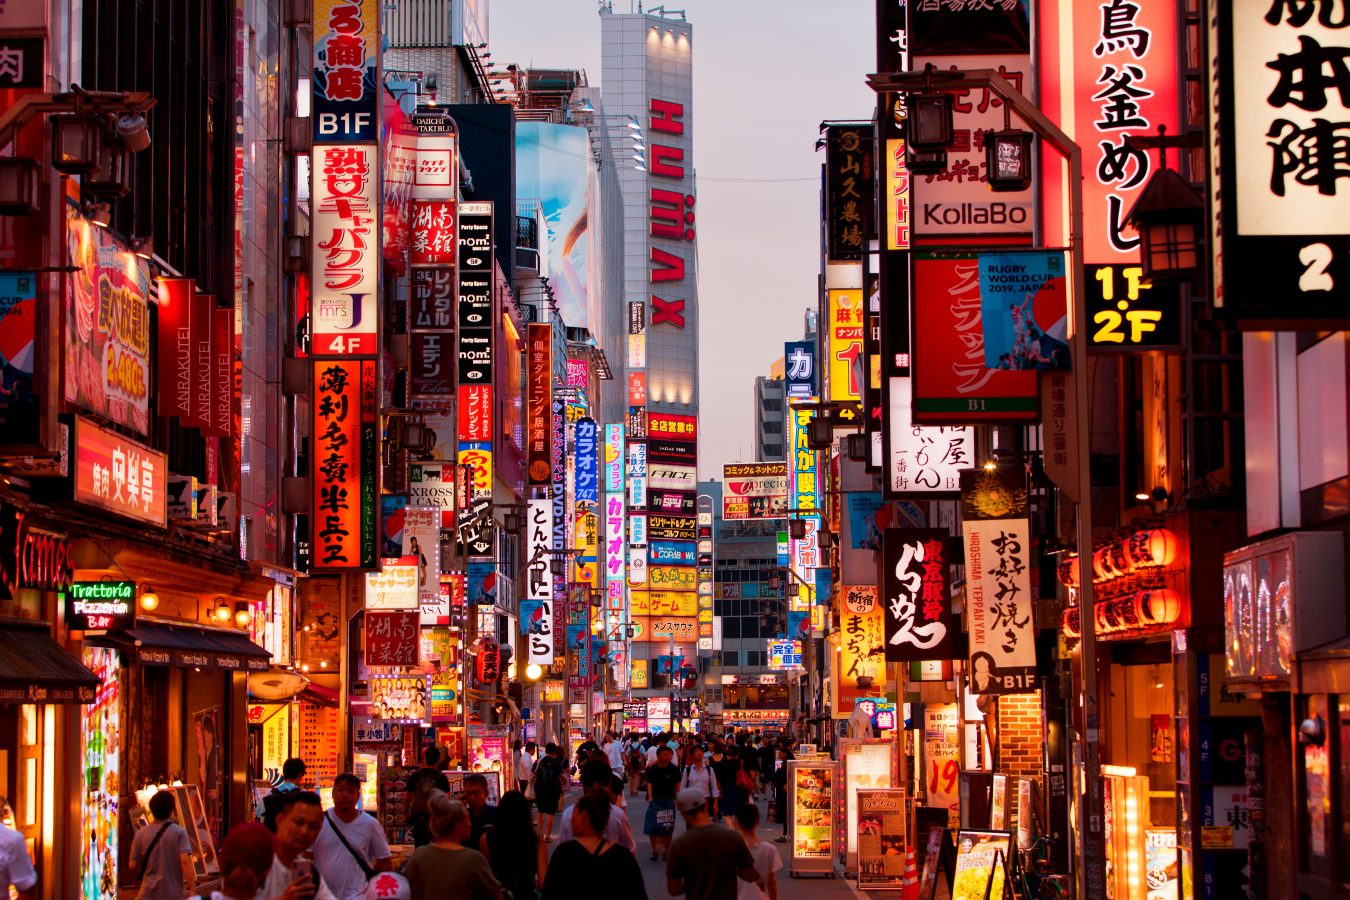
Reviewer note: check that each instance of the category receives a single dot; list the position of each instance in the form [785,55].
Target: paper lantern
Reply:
[1161,607]
[1070,622]
[1151,549]
[1068,572]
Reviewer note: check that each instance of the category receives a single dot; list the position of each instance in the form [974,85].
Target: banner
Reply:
[537,627]
[754,491]
[999,600]
[394,586]
[862,648]
[849,190]
[942,755]
[951,383]
[916,594]
[392,638]
[921,459]
[587,478]
[799,361]
[539,403]
[882,827]
[344,465]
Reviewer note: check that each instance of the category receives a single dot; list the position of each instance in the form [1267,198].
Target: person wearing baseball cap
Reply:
[706,860]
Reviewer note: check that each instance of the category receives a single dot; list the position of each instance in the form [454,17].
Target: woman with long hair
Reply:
[519,858]
[445,867]
[589,862]
[245,859]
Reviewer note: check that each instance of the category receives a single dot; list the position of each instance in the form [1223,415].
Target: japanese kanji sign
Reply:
[119,475]
[999,600]
[845,345]
[799,361]
[862,646]
[537,627]
[915,594]
[1107,72]
[344,465]
[849,176]
[922,459]
[392,638]
[344,248]
[346,56]
[587,478]
[538,402]
[1280,165]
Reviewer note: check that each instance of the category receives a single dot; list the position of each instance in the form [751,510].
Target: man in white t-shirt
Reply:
[336,861]
[15,867]
[699,776]
[299,818]
[614,753]
[524,764]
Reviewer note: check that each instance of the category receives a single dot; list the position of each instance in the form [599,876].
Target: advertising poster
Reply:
[18,324]
[999,599]
[848,190]
[754,491]
[1160,863]
[867,765]
[206,735]
[481,583]
[916,594]
[868,516]
[951,383]
[399,698]
[100,726]
[422,542]
[811,799]
[539,403]
[1024,308]
[881,839]
[976,855]
[488,750]
[921,459]
[552,164]
[107,333]
[942,756]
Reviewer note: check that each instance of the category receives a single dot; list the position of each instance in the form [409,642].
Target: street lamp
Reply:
[1091,846]
[1007,159]
[929,124]
[1167,216]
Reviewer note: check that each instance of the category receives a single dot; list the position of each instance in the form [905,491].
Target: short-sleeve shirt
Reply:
[707,859]
[163,868]
[767,861]
[664,781]
[15,867]
[280,877]
[338,867]
[437,872]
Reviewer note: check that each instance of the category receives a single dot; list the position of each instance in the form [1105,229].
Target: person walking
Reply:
[161,854]
[293,875]
[446,867]
[663,780]
[590,862]
[708,858]
[292,770]
[482,814]
[245,858]
[548,788]
[698,776]
[637,761]
[523,761]
[519,859]
[766,857]
[16,869]
[351,848]
[597,774]
[729,783]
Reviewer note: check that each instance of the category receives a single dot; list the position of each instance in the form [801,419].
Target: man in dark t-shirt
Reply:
[708,859]
[663,779]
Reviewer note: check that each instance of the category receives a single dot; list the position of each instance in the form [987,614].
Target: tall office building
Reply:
[769,417]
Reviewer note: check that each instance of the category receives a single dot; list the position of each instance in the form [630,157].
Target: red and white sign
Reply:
[392,638]
[119,475]
[175,348]
[345,249]
[475,412]
[434,236]
[669,426]
[394,586]
[637,388]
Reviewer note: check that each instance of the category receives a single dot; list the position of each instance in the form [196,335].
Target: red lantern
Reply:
[1071,622]
[1160,607]
[1068,572]
[1156,548]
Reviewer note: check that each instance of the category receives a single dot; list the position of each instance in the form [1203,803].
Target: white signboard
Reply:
[345,248]
[637,475]
[924,459]
[671,477]
[422,541]
[999,606]
[538,626]
[393,587]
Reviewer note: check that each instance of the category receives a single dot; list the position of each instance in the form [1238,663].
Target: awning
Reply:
[35,669]
[167,645]
[318,695]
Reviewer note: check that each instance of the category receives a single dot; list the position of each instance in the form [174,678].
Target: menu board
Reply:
[882,828]
[812,798]
[394,800]
[318,733]
[976,854]
[1161,863]
[864,764]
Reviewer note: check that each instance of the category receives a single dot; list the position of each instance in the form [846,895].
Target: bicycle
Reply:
[1035,880]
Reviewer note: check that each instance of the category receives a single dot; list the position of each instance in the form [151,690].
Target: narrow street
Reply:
[654,873]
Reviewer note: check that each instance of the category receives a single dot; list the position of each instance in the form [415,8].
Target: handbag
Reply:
[744,781]
[529,785]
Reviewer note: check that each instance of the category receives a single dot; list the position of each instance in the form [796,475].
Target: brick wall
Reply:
[1019,742]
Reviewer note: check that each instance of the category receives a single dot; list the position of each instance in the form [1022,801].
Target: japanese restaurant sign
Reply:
[1280,106]
[345,97]
[475,295]
[344,248]
[431,326]
[845,345]
[101,605]
[862,646]
[434,234]
[672,427]
[848,190]
[952,384]
[538,629]
[118,475]
[999,599]
[916,594]
[345,458]
[538,402]
[1107,71]
[922,459]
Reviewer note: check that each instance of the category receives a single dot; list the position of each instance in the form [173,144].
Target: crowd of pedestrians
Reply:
[467,847]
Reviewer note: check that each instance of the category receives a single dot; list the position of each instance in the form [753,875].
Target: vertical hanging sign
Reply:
[345,175]
[539,403]
[916,594]
[999,602]
[536,611]
[345,446]
[849,189]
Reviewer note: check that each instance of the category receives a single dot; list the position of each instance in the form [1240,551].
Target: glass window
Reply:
[731,627]
[755,657]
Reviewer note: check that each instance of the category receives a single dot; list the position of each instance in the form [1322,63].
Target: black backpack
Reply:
[548,775]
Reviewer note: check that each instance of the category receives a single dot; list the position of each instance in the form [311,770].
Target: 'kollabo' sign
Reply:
[101,605]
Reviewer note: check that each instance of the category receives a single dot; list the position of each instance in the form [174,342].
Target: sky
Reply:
[766,74]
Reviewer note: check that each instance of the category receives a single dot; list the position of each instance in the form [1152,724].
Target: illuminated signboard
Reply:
[614,459]
[916,594]
[538,400]
[672,427]
[785,654]
[345,260]
[344,86]
[845,345]
[118,475]
[345,458]
[1127,312]
[848,190]
[587,462]
[754,491]
[101,605]
[435,236]
[536,623]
